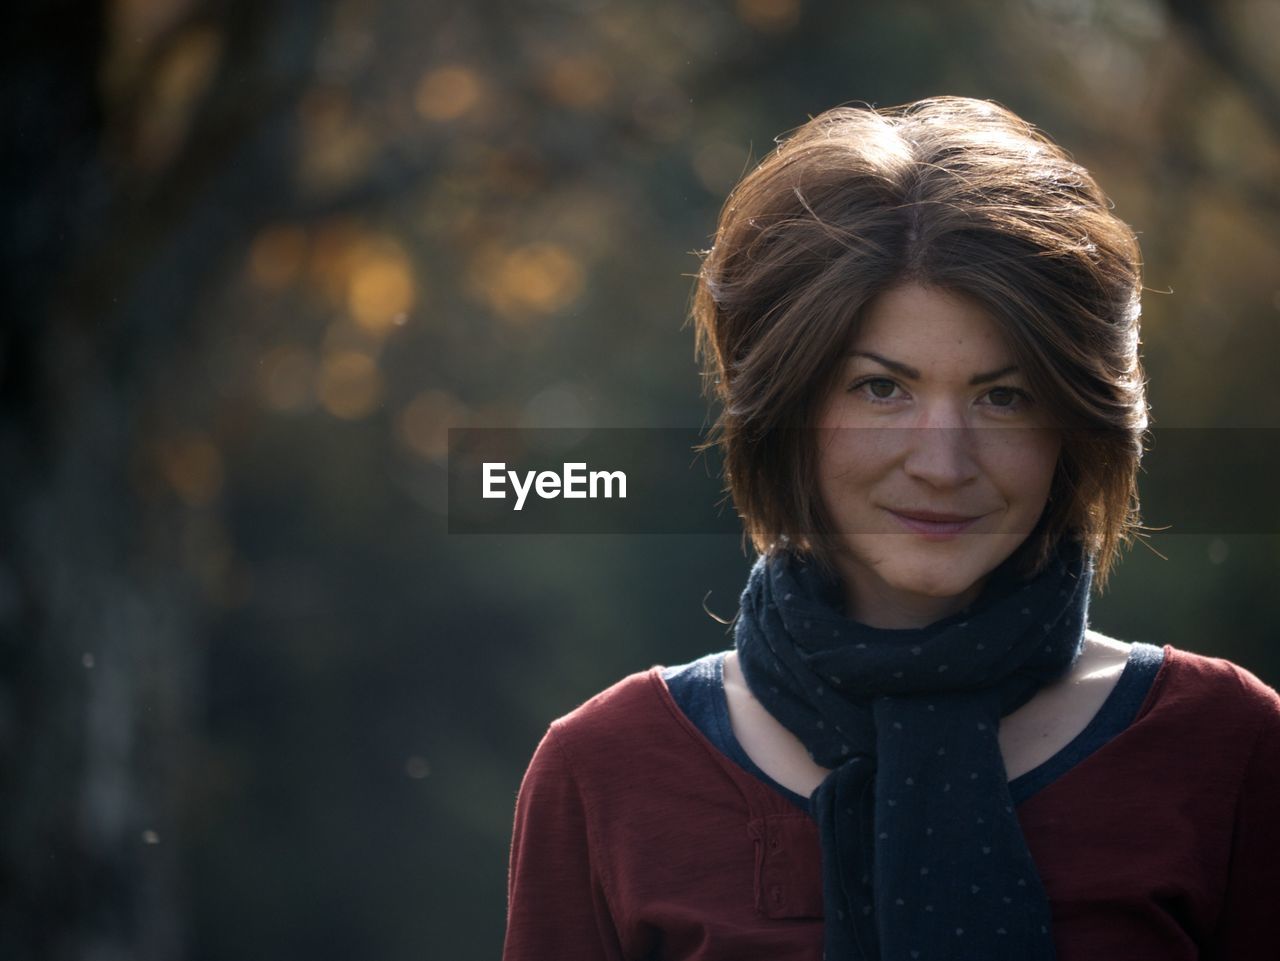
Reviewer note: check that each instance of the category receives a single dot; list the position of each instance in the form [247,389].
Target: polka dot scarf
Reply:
[923,857]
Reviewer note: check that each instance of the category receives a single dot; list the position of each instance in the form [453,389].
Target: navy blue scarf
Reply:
[922,854]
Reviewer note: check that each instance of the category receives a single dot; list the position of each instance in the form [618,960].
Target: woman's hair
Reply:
[953,193]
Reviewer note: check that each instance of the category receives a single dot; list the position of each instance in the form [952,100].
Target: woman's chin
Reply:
[933,580]
[936,590]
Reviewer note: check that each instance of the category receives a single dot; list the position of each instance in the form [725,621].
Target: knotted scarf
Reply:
[922,855]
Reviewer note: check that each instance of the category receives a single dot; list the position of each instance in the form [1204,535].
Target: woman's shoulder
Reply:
[1212,693]
[623,715]
[1185,668]
[629,734]
[1221,676]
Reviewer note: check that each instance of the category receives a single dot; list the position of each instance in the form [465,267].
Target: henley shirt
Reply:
[638,838]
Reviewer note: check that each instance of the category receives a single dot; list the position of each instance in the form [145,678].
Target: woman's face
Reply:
[934,461]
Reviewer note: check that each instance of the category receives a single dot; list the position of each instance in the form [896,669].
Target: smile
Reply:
[935,527]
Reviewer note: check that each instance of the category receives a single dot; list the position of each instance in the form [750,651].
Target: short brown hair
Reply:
[954,193]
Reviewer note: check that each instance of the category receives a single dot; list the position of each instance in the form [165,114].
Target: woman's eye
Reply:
[878,387]
[1009,398]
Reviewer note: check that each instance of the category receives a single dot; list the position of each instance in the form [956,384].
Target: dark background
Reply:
[259,255]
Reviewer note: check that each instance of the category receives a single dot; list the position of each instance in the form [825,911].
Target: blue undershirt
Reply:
[698,688]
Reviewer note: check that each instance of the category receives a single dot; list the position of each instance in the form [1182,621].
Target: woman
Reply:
[922,324]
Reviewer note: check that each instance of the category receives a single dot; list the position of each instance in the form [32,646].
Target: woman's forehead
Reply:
[922,327]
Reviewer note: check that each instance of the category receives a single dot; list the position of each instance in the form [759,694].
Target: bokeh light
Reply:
[277,256]
[446,93]
[349,384]
[528,280]
[193,467]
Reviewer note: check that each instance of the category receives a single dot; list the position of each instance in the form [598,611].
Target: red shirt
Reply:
[636,838]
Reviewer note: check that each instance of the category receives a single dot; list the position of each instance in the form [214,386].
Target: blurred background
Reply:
[259,255]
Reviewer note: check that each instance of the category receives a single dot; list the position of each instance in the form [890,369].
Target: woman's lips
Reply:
[935,529]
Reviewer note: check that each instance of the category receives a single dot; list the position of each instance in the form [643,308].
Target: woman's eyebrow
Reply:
[912,374]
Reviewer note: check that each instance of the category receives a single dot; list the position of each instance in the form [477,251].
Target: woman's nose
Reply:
[941,450]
